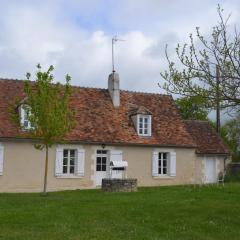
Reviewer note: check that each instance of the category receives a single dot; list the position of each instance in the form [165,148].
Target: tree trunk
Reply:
[218,122]
[45,172]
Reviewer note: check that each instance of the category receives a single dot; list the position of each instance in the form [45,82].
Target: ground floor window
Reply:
[163,163]
[101,161]
[69,161]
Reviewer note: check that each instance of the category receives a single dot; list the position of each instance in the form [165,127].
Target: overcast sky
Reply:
[75,36]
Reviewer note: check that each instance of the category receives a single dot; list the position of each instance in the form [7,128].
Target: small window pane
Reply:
[164,163]
[98,167]
[99,160]
[72,161]
[159,170]
[164,155]
[164,170]
[159,163]
[64,169]
[103,167]
[146,120]
[25,124]
[99,151]
[71,169]
[104,151]
[72,153]
[145,131]
[140,120]
[140,131]
[65,153]
[140,125]
[104,160]
[65,161]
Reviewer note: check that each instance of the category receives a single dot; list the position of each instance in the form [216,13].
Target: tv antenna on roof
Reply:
[114,40]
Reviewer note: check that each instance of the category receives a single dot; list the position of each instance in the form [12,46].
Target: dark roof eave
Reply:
[213,153]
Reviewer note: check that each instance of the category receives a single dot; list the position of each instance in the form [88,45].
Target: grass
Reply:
[209,212]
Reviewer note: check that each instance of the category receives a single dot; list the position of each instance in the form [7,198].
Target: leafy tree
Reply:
[208,67]
[49,112]
[192,108]
[232,136]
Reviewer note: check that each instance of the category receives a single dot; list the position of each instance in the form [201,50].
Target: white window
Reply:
[25,112]
[163,163]
[144,125]
[69,161]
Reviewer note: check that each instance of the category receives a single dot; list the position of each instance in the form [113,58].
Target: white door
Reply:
[210,170]
[101,166]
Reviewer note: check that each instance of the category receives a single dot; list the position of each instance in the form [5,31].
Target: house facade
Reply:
[143,129]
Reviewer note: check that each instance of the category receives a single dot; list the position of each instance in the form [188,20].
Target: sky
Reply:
[75,36]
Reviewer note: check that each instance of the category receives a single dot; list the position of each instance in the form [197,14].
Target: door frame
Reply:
[213,158]
[97,173]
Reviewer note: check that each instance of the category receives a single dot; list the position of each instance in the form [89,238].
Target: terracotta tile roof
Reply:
[135,109]
[97,121]
[206,138]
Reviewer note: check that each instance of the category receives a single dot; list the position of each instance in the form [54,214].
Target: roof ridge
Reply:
[97,88]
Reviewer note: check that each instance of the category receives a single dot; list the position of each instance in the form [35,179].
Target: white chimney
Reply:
[113,88]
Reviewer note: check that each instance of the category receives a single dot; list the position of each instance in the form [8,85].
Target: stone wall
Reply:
[119,185]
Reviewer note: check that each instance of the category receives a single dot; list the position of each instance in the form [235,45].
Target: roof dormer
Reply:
[142,119]
[24,113]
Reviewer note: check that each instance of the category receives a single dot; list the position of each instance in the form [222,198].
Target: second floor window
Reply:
[144,125]
[25,112]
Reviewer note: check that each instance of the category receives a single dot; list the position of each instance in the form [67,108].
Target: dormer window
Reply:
[25,112]
[142,120]
[144,123]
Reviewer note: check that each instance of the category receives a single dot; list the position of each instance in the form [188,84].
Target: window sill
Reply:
[163,177]
[69,176]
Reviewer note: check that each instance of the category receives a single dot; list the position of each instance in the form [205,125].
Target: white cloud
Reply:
[75,36]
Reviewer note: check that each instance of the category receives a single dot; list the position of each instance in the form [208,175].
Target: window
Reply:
[144,125]
[25,112]
[163,163]
[101,161]
[69,161]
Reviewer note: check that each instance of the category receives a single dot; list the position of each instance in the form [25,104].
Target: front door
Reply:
[101,166]
[210,170]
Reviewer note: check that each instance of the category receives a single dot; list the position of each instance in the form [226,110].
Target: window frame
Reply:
[143,128]
[101,155]
[24,117]
[161,166]
[69,165]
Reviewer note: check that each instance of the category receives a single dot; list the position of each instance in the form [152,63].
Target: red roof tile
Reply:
[206,138]
[97,121]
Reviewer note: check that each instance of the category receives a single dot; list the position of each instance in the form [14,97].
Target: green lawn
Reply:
[209,212]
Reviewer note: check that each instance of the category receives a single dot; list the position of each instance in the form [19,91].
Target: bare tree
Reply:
[208,67]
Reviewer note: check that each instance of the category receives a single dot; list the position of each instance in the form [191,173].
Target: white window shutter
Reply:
[172,164]
[21,115]
[80,162]
[59,161]
[116,155]
[1,159]
[155,164]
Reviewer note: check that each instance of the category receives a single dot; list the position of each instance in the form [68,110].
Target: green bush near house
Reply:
[232,177]
[178,212]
